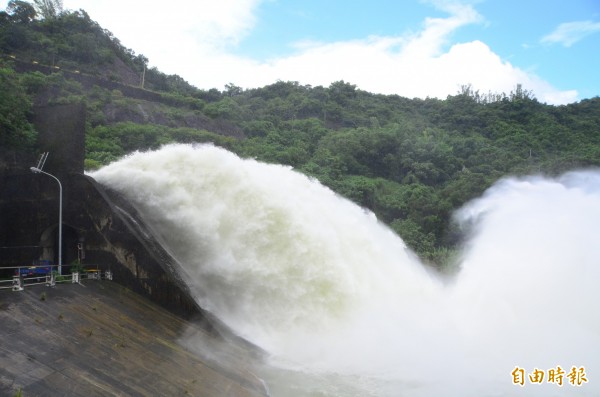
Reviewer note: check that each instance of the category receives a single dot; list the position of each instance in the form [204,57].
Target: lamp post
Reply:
[36,170]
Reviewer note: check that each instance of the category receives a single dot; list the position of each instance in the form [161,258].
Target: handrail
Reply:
[19,282]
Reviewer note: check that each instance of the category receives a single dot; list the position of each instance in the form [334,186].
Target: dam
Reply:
[307,294]
[102,339]
[98,337]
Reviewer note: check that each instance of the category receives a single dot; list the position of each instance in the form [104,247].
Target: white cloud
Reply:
[196,39]
[436,30]
[170,33]
[570,33]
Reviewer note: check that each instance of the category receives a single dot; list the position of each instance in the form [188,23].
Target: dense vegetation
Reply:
[411,161]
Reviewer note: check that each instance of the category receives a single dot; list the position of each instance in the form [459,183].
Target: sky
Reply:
[413,48]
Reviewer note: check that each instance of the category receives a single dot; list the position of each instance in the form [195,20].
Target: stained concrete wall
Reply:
[62,134]
[101,339]
[112,234]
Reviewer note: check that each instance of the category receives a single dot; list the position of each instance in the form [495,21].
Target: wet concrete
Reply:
[101,339]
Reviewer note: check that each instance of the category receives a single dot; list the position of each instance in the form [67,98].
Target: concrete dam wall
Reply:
[100,338]
[99,227]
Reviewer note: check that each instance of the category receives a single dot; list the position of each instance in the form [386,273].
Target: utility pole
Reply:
[38,170]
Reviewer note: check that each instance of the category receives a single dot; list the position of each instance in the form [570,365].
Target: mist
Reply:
[344,308]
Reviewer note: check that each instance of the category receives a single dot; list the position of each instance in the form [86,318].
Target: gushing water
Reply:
[345,309]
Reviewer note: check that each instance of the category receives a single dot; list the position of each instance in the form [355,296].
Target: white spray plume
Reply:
[337,298]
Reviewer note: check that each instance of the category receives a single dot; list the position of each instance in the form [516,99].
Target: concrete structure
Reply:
[97,224]
[100,339]
[42,351]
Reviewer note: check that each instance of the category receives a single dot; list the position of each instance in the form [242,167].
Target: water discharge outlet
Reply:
[344,308]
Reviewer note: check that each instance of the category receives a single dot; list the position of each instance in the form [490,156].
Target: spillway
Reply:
[341,304]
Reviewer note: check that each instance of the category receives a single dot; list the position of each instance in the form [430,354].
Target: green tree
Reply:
[15,106]
[414,236]
[49,9]
[21,11]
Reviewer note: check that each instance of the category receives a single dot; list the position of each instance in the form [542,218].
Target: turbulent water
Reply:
[345,309]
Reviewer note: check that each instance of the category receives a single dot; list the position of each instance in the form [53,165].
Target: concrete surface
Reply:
[101,339]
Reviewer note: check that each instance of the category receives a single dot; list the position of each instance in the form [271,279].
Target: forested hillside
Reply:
[410,161]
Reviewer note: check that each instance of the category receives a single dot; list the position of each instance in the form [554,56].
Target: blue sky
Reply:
[411,48]
[514,30]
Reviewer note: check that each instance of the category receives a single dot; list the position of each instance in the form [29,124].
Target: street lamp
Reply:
[36,170]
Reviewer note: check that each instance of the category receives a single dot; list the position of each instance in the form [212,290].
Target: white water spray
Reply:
[337,299]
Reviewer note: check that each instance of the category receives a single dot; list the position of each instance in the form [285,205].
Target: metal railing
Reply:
[29,276]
